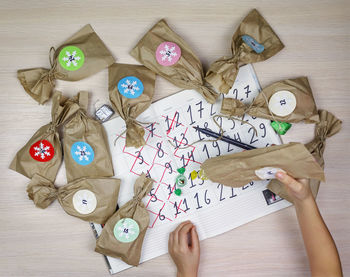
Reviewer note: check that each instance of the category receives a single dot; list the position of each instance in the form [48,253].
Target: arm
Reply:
[184,249]
[320,247]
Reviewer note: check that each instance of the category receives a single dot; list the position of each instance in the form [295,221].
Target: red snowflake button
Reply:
[42,151]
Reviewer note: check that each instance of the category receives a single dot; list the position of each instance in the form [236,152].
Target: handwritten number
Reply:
[262,127]
[189,110]
[252,140]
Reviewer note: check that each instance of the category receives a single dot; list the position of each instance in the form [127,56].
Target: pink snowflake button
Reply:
[168,53]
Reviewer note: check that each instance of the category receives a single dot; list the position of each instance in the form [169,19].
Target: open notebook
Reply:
[212,207]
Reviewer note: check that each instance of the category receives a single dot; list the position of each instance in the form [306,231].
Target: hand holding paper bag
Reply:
[236,170]
[328,126]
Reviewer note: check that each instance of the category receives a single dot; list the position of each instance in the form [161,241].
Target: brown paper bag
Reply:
[238,169]
[122,236]
[131,88]
[85,144]
[287,101]
[80,56]
[254,41]
[42,153]
[167,54]
[328,126]
[90,199]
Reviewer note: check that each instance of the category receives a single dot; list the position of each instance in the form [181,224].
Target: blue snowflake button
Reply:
[82,153]
[130,87]
[126,230]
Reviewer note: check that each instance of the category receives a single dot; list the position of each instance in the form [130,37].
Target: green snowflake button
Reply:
[71,58]
[126,230]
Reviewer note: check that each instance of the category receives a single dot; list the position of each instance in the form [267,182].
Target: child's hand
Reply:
[299,189]
[184,249]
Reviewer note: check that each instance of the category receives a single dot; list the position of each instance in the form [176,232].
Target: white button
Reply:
[267,172]
[282,103]
[84,201]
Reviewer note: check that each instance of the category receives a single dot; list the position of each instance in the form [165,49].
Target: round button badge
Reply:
[82,153]
[282,103]
[71,58]
[42,151]
[130,87]
[168,53]
[126,230]
[267,172]
[84,201]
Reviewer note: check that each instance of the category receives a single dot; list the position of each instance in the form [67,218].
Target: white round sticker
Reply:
[282,103]
[267,172]
[84,201]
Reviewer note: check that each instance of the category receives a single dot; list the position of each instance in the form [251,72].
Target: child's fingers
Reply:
[183,239]
[171,241]
[176,231]
[194,239]
[289,181]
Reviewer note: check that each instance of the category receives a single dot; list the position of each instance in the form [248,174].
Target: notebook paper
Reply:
[212,207]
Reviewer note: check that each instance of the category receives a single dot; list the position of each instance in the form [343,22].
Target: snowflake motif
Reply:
[42,151]
[168,53]
[130,87]
[126,229]
[82,153]
[71,58]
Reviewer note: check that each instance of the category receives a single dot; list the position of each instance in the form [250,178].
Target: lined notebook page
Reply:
[214,208]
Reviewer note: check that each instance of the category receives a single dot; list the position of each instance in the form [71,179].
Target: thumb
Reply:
[290,182]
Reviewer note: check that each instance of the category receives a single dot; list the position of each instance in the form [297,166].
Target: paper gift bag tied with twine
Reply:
[80,56]
[254,41]
[85,144]
[91,199]
[42,154]
[122,236]
[164,52]
[131,89]
[296,99]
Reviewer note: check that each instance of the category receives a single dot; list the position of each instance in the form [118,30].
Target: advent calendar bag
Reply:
[122,236]
[287,101]
[80,56]
[43,154]
[131,89]
[238,169]
[85,144]
[167,54]
[90,199]
[328,126]
[254,41]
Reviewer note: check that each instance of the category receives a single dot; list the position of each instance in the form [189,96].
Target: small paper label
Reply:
[130,87]
[126,230]
[82,153]
[71,58]
[84,201]
[267,172]
[252,43]
[42,151]
[282,103]
[168,53]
